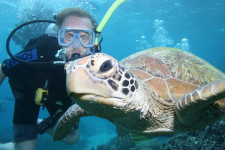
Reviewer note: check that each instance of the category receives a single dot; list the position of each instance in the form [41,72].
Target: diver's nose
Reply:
[76,43]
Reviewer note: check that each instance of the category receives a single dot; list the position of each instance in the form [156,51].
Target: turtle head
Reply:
[99,85]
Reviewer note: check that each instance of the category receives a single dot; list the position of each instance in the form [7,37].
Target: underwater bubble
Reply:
[158,23]
[142,43]
[184,44]
[161,36]
[184,40]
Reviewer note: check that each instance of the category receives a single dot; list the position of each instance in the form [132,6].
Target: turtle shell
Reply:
[171,72]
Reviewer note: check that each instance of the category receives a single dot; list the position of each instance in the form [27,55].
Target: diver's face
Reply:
[74,22]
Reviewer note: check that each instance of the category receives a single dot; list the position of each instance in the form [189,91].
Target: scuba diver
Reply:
[34,85]
[37,78]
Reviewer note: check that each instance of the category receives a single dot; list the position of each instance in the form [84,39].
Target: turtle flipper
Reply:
[67,122]
[193,107]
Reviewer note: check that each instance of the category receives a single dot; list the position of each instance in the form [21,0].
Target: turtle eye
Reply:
[106,66]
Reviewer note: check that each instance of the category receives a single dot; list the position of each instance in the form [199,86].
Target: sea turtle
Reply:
[158,91]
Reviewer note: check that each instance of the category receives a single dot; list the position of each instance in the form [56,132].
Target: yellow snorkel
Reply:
[105,19]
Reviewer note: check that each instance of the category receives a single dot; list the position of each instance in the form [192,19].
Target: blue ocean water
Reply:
[197,26]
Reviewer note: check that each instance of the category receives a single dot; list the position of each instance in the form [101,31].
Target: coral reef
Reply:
[151,144]
[209,138]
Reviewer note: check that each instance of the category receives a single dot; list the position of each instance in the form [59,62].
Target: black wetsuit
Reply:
[25,79]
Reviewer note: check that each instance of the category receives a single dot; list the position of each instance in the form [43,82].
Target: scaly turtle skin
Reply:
[153,92]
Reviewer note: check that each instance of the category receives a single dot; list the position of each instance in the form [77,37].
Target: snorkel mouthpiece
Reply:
[78,55]
[74,57]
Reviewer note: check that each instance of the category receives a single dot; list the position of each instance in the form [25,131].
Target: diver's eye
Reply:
[106,66]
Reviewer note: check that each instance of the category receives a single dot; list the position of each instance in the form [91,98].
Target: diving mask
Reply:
[86,38]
